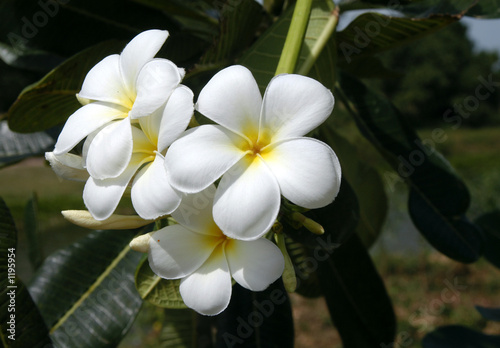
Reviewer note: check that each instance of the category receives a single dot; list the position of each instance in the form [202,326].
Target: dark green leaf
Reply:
[356,297]
[179,329]
[158,291]
[32,230]
[492,314]
[86,292]
[256,319]
[20,322]
[454,336]
[438,198]
[52,100]
[490,224]
[366,183]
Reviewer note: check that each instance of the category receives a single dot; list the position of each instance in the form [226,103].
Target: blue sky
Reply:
[484,33]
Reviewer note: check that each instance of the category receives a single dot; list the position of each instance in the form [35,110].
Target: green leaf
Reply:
[32,230]
[438,198]
[256,319]
[156,290]
[356,297]
[15,147]
[453,336]
[366,183]
[372,33]
[492,314]
[86,291]
[52,100]
[179,329]
[490,224]
[21,324]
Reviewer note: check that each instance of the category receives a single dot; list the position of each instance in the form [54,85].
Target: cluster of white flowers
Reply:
[132,129]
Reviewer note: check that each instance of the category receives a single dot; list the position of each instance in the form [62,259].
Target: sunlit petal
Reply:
[294,105]
[67,166]
[254,264]
[101,197]
[138,52]
[176,252]
[200,157]
[152,195]
[208,290]
[232,99]
[247,200]
[155,82]
[110,151]
[84,121]
[307,171]
[195,212]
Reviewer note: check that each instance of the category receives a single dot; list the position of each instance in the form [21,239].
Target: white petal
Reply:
[84,121]
[152,195]
[195,212]
[247,200]
[67,166]
[83,218]
[175,252]
[208,290]
[104,83]
[156,81]
[232,99]
[294,105]
[176,116]
[254,264]
[140,50]
[142,143]
[110,151]
[101,197]
[307,171]
[201,156]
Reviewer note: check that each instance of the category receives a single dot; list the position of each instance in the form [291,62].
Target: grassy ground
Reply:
[416,282]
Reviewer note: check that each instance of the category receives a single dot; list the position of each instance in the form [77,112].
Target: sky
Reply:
[484,33]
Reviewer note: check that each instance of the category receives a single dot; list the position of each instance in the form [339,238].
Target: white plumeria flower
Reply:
[152,195]
[197,252]
[117,91]
[259,150]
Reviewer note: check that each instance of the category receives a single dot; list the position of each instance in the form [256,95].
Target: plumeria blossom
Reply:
[197,252]
[152,195]
[116,92]
[259,150]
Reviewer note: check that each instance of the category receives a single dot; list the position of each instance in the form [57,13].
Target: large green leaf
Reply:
[52,100]
[86,292]
[438,198]
[180,329]
[366,183]
[156,290]
[32,230]
[490,224]
[356,297]
[256,319]
[20,322]
[454,336]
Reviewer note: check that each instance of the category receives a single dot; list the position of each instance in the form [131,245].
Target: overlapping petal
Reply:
[67,166]
[293,105]
[201,156]
[247,200]
[254,264]
[232,99]
[307,171]
[109,152]
[140,50]
[155,82]
[84,121]
[152,195]
[104,83]
[208,290]
[176,252]
[195,212]
[101,197]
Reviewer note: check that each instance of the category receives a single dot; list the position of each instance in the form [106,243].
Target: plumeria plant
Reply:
[216,181]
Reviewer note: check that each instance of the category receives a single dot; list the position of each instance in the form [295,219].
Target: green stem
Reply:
[294,38]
